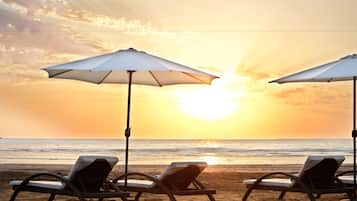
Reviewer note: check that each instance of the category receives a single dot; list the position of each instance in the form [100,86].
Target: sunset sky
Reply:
[246,42]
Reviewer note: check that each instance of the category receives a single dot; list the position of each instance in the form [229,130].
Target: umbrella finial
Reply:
[131,49]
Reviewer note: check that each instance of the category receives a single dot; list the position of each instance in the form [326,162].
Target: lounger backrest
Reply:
[319,171]
[179,175]
[89,172]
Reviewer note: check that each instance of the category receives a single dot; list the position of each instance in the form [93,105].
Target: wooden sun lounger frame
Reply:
[70,189]
[299,186]
[161,188]
[77,184]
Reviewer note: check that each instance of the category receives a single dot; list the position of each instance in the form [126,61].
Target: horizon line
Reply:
[141,138]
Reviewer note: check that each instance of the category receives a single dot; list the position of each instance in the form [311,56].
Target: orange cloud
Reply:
[252,73]
[327,96]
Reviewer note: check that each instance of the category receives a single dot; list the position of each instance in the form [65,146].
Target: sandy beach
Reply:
[226,179]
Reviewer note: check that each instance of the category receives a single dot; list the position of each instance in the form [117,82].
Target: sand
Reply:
[227,180]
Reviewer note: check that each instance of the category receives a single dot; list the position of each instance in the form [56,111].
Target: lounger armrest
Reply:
[60,178]
[345,173]
[154,179]
[146,176]
[338,181]
[290,176]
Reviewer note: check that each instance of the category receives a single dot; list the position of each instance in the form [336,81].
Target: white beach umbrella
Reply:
[341,70]
[129,67]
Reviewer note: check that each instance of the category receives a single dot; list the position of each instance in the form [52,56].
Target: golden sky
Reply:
[248,43]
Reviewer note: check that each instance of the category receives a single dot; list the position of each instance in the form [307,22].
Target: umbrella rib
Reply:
[152,74]
[190,75]
[105,77]
[60,73]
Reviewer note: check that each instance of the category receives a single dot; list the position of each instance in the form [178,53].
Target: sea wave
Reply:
[165,151]
[188,150]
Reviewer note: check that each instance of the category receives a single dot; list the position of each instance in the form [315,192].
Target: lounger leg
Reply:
[167,192]
[306,190]
[123,199]
[171,196]
[318,196]
[14,194]
[80,197]
[350,196]
[52,197]
[311,196]
[137,196]
[210,197]
[247,193]
[282,194]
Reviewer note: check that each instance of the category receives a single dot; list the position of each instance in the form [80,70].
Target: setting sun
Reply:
[209,103]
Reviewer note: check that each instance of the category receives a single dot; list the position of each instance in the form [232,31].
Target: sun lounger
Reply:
[316,177]
[85,180]
[179,179]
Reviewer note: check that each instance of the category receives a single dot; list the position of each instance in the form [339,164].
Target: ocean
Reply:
[156,151]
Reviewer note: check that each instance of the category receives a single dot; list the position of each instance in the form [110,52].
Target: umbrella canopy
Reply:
[129,67]
[339,70]
[114,68]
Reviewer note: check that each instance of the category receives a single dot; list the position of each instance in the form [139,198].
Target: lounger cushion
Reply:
[137,183]
[275,182]
[181,174]
[177,166]
[346,179]
[311,161]
[84,161]
[56,185]
[171,170]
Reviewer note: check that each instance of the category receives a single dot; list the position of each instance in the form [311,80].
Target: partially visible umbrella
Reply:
[339,70]
[129,67]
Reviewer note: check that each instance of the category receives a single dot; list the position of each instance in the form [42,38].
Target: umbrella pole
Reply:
[127,129]
[354,135]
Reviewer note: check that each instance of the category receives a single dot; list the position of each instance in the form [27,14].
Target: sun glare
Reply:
[210,102]
[211,160]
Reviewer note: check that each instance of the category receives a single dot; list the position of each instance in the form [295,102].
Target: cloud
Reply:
[102,21]
[252,72]
[18,66]
[314,96]
[86,30]
[28,43]
[31,7]
[288,93]
[254,64]
[62,10]
[25,32]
